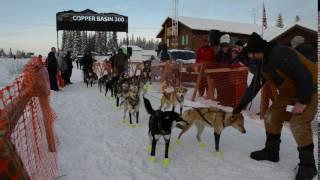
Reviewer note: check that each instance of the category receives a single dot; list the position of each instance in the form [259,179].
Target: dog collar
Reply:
[178,99]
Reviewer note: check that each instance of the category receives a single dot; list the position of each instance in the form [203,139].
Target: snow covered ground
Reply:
[94,145]
[9,68]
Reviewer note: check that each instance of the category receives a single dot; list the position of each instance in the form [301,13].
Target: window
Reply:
[186,39]
[182,40]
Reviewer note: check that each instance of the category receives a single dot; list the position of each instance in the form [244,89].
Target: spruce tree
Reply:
[280,21]
[297,19]
[69,41]
[64,39]
[84,41]
[77,43]
[10,54]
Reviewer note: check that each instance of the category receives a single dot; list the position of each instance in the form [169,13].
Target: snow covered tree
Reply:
[280,21]
[297,19]
[113,41]
[104,48]
[76,44]
[2,53]
[98,43]
[18,54]
[91,42]
[84,41]
[64,39]
[10,54]
[68,45]
[23,54]
[123,42]
[132,41]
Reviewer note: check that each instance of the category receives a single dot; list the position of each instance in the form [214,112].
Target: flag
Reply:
[264,18]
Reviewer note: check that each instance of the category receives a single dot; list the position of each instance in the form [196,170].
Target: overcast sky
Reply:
[30,24]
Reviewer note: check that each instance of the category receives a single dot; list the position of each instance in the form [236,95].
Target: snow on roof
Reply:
[134,48]
[224,26]
[180,50]
[269,34]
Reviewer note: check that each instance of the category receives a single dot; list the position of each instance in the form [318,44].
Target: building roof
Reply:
[306,27]
[204,24]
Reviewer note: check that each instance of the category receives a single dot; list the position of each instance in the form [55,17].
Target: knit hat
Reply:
[225,39]
[256,43]
[296,41]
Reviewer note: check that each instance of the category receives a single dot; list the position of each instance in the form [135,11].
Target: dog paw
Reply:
[149,148]
[202,145]
[153,159]
[132,125]
[123,122]
[218,154]
[178,141]
[166,163]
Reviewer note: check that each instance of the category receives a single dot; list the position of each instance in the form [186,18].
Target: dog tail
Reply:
[148,106]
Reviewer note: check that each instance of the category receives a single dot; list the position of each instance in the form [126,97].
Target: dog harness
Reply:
[133,102]
[206,120]
[166,95]
[178,99]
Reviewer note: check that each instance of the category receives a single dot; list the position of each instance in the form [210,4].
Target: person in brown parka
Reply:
[296,80]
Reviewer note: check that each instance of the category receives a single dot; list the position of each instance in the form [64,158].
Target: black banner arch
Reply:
[89,20]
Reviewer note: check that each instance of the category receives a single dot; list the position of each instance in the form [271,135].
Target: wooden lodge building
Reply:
[192,30]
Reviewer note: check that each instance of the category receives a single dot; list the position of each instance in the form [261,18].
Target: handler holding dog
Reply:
[296,80]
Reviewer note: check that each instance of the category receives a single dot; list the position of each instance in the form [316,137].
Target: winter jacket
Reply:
[67,59]
[292,74]
[205,55]
[164,55]
[307,51]
[62,64]
[52,63]
[223,57]
[243,57]
[112,59]
[87,62]
[121,63]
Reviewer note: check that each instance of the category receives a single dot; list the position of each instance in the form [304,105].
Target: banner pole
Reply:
[57,40]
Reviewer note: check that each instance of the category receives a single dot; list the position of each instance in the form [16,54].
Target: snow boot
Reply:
[271,151]
[307,167]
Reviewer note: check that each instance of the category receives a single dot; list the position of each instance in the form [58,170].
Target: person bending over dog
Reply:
[296,79]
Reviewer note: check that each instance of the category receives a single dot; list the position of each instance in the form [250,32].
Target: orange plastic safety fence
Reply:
[102,68]
[27,140]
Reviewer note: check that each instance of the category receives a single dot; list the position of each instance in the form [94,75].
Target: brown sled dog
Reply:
[173,98]
[214,118]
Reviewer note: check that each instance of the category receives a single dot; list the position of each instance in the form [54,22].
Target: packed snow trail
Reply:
[93,145]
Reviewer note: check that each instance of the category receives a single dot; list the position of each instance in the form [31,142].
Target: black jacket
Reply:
[285,60]
[121,63]
[52,63]
[67,59]
[223,57]
[87,62]
[307,51]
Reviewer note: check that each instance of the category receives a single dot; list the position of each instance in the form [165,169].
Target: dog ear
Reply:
[185,90]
